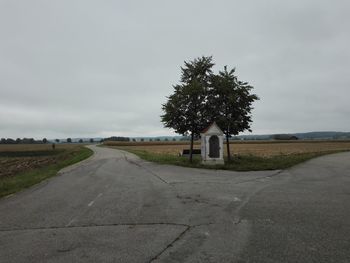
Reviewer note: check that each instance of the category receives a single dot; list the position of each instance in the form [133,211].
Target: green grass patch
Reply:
[12,184]
[238,162]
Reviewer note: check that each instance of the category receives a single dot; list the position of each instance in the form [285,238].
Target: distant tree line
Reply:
[286,137]
[117,138]
[150,139]
[19,141]
[91,140]
[33,141]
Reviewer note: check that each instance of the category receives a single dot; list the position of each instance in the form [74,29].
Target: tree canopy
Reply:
[203,97]
[186,107]
[230,102]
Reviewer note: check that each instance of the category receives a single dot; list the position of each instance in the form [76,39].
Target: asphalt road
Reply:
[115,207]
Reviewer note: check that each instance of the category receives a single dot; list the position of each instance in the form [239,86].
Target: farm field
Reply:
[22,165]
[248,155]
[255,148]
[22,157]
[35,147]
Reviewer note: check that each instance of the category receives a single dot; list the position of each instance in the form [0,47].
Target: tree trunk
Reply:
[228,148]
[191,147]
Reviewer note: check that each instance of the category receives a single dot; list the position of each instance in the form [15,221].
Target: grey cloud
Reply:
[76,68]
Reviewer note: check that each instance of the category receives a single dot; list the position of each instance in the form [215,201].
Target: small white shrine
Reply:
[212,142]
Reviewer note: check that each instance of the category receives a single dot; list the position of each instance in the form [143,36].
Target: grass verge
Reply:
[12,184]
[238,162]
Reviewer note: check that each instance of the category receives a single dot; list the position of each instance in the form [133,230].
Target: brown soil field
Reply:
[30,156]
[33,147]
[13,165]
[257,148]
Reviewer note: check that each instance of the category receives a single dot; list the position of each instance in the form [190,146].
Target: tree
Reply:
[69,140]
[57,140]
[80,140]
[185,111]
[91,140]
[230,104]
[44,140]
[10,141]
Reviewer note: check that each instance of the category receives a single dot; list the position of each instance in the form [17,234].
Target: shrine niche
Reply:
[212,140]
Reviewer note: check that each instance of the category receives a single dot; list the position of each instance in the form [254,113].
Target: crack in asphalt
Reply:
[95,225]
[171,244]
[260,178]
[232,183]
[236,210]
[237,221]
[147,170]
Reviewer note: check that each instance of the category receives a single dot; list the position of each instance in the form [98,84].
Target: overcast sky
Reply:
[102,68]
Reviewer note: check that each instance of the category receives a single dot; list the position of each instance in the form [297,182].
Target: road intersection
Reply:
[115,207]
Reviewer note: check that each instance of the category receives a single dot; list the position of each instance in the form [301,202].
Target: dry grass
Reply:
[256,148]
[273,149]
